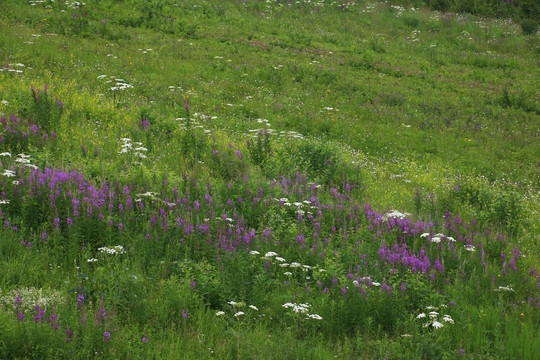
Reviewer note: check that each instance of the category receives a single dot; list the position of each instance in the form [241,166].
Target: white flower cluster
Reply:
[432,317]
[145,51]
[134,147]
[153,196]
[148,194]
[22,159]
[117,83]
[302,309]
[74,4]
[504,288]
[297,308]
[396,215]
[299,205]
[470,248]
[30,297]
[237,304]
[8,173]
[367,279]
[11,70]
[437,237]
[112,250]
[283,262]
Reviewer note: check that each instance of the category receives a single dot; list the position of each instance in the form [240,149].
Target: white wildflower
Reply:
[113,250]
[219,313]
[447,318]
[437,325]
[470,248]
[504,288]
[239,314]
[270,254]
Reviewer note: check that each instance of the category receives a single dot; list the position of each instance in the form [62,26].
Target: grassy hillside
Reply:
[267,180]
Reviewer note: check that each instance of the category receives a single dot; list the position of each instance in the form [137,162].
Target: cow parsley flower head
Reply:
[504,288]
[447,318]
[112,250]
[297,308]
[470,248]
[437,325]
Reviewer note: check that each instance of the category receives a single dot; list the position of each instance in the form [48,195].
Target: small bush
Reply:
[529,26]
[410,21]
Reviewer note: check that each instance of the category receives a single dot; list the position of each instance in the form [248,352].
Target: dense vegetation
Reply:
[269,180]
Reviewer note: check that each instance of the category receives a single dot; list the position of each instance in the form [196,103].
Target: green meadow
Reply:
[249,179]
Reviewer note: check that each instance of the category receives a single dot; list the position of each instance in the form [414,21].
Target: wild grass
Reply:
[254,180]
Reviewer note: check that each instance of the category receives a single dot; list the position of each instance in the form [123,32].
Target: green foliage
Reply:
[46,112]
[503,209]
[318,161]
[260,150]
[529,26]
[371,108]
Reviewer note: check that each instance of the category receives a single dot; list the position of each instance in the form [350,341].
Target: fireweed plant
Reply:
[212,179]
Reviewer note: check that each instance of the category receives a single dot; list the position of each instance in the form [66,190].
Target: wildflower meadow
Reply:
[269,179]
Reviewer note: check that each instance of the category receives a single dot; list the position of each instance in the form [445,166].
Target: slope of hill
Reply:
[267,179]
